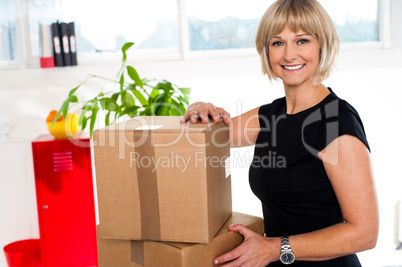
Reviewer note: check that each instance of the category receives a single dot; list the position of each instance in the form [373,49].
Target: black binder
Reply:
[65,44]
[58,56]
[73,44]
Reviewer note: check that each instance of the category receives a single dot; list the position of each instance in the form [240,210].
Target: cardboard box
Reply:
[122,253]
[160,179]
[114,252]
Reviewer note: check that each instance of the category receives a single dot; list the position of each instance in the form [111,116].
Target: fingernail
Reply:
[216,261]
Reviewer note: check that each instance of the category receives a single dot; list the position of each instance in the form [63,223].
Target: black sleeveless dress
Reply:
[289,178]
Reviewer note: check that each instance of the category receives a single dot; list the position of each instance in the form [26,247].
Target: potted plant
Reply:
[134,97]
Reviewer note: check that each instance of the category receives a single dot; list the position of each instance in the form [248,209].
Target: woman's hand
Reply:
[255,251]
[203,111]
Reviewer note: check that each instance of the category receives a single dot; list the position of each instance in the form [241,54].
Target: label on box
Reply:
[148,127]
[227,167]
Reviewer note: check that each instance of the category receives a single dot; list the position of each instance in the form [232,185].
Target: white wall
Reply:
[368,79]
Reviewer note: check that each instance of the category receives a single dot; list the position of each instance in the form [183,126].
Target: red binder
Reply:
[64,189]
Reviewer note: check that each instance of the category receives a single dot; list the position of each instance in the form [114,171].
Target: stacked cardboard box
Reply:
[161,180]
[125,253]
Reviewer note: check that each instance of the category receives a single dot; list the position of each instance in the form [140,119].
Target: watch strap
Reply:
[285,245]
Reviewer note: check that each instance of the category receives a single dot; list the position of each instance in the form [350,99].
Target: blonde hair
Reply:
[307,15]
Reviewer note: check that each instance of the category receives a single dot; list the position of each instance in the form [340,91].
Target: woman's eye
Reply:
[277,43]
[303,41]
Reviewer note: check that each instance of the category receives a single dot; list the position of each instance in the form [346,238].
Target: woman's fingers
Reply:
[203,111]
[224,115]
[230,256]
[237,252]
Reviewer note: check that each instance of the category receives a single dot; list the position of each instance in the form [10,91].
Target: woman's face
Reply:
[294,56]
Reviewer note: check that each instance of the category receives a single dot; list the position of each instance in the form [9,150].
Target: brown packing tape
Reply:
[114,252]
[137,252]
[148,187]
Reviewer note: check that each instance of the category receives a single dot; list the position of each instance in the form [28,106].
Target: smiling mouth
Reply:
[296,67]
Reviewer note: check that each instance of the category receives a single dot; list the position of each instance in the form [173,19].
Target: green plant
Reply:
[138,97]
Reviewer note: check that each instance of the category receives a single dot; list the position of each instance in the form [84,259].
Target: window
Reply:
[104,26]
[45,12]
[8,33]
[354,23]
[224,24]
[163,27]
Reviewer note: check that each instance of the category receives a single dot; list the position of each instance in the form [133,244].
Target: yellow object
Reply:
[63,128]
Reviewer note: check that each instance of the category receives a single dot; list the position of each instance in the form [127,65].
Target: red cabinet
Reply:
[64,190]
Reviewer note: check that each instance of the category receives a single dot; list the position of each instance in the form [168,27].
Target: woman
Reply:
[318,200]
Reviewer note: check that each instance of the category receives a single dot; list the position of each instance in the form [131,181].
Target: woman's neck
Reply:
[303,97]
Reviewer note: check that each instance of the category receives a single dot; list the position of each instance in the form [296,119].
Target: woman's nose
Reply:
[290,53]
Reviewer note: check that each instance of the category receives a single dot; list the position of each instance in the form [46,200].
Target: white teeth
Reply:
[294,67]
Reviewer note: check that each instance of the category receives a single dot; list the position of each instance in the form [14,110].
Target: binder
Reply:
[46,44]
[73,44]
[58,56]
[65,44]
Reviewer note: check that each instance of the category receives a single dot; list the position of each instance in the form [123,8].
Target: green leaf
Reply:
[183,100]
[107,103]
[73,99]
[140,97]
[127,100]
[131,110]
[58,114]
[125,47]
[84,123]
[121,82]
[162,109]
[134,76]
[65,108]
[93,119]
[89,105]
[185,91]
[154,93]
[177,109]
[148,110]
[107,119]
[73,90]
[161,98]
[115,96]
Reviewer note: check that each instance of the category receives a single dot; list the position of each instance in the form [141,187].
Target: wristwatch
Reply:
[287,256]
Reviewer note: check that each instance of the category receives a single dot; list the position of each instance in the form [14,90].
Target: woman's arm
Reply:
[244,128]
[348,166]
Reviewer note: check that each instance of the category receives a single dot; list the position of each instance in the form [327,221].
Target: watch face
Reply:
[287,258]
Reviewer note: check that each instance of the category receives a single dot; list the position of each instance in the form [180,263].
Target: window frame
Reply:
[184,53]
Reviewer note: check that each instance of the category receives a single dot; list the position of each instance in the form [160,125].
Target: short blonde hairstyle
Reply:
[307,15]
